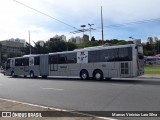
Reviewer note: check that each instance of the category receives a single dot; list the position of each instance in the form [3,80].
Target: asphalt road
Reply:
[134,94]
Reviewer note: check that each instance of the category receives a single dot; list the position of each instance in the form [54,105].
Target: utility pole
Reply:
[29,43]
[102,26]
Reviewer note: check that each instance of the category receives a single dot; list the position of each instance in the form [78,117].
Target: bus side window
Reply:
[53,59]
[72,58]
[125,54]
[62,59]
[93,56]
[26,62]
[37,60]
[8,64]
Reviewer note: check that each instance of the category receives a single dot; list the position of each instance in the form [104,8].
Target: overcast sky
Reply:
[16,20]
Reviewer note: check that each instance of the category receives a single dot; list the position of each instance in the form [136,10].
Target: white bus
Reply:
[94,62]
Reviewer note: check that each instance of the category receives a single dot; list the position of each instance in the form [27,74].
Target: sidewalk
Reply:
[20,108]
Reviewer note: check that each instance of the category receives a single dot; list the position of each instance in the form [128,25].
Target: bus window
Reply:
[125,54]
[19,62]
[93,56]
[72,58]
[53,59]
[62,59]
[8,64]
[37,60]
[26,61]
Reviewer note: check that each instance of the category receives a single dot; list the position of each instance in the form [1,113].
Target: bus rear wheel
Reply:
[84,75]
[98,75]
[44,76]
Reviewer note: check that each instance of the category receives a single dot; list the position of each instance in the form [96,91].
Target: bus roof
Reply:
[94,48]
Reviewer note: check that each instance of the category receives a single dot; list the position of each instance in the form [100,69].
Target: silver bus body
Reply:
[95,62]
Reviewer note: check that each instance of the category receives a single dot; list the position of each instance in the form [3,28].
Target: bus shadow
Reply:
[128,81]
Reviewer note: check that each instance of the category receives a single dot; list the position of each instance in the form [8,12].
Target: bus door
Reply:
[53,65]
[44,68]
[125,69]
[63,66]
[26,65]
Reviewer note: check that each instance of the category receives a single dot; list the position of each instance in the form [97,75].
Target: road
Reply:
[136,94]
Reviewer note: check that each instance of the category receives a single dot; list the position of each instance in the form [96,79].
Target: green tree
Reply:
[71,46]
[93,39]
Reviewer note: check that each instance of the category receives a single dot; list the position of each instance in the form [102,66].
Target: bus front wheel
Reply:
[98,75]
[84,75]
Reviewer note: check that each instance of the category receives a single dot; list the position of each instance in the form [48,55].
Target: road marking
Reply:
[52,89]
[57,109]
[121,85]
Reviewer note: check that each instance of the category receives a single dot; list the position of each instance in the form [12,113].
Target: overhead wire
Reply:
[108,26]
[131,23]
[45,14]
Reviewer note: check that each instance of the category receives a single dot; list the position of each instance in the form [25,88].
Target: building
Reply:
[72,39]
[12,46]
[78,40]
[61,37]
[85,38]
[155,39]
[150,40]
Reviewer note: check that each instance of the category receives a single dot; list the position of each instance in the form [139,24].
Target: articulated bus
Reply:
[94,62]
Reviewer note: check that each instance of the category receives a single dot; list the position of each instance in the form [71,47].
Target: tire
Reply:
[98,75]
[44,76]
[108,78]
[31,74]
[12,74]
[84,75]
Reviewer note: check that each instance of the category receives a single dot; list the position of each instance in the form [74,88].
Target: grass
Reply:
[152,70]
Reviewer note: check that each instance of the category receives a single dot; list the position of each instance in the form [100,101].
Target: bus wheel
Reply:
[84,75]
[32,74]
[98,75]
[12,74]
[44,76]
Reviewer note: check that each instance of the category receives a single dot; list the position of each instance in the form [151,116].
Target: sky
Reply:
[16,20]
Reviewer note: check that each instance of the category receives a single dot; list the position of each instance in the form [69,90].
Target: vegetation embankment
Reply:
[152,69]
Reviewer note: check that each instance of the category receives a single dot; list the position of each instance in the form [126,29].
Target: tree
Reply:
[71,46]
[93,39]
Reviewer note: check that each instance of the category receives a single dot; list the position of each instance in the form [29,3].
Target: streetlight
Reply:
[132,38]
[90,29]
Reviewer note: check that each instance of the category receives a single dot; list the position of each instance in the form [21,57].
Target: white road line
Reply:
[57,109]
[121,85]
[52,89]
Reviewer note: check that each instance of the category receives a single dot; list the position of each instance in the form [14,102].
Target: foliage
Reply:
[152,70]
[93,39]
[88,44]
[58,45]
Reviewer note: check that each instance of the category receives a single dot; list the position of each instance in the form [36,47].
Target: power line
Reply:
[109,26]
[131,23]
[44,14]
